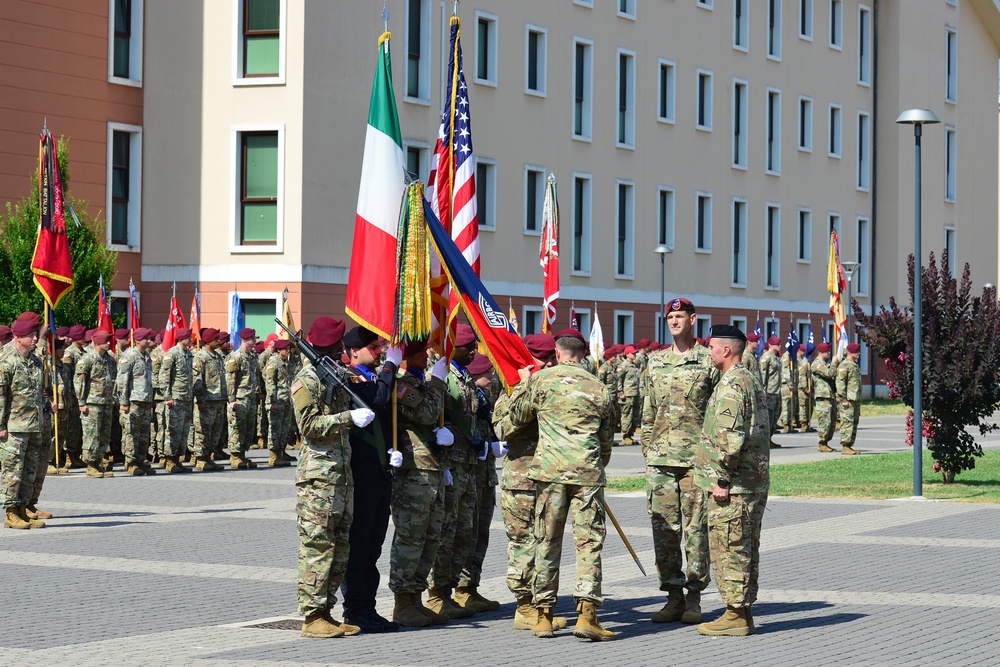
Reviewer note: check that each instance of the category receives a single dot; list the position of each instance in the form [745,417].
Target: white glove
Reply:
[445,438]
[440,370]
[447,478]
[362,417]
[394,355]
[486,451]
[499,448]
[395,458]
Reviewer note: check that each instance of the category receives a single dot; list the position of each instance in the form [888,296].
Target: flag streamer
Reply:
[413,297]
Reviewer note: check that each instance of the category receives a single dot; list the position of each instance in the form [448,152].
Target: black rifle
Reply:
[330,375]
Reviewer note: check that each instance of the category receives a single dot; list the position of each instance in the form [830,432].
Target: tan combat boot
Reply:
[825,448]
[491,605]
[321,626]
[846,450]
[135,471]
[14,520]
[587,625]
[236,463]
[543,626]
[35,513]
[435,617]
[349,630]
[465,598]
[32,523]
[275,460]
[174,465]
[439,600]
[206,463]
[526,616]
[628,441]
[94,471]
[692,607]
[732,623]
[673,609]
[406,614]
[250,464]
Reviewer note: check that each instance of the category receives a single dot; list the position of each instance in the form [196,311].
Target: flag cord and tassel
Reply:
[412,320]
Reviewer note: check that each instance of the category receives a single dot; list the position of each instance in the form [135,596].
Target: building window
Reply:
[949,246]
[772,246]
[581,224]
[703,326]
[833,131]
[118,303]
[864,259]
[864,46]
[417,154]
[626,9]
[535,60]
[583,322]
[262,52]
[950,163]
[584,3]
[259,314]
[625,226]
[665,217]
[805,124]
[623,327]
[259,186]
[583,87]
[668,92]
[626,99]
[486,48]
[125,42]
[739,322]
[534,197]
[741,25]
[836,24]
[124,182]
[486,187]
[418,46]
[773,131]
[951,65]
[706,4]
[864,150]
[739,263]
[805,235]
[704,100]
[532,320]
[774,29]
[832,224]
[806,19]
[703,222]
[739,123]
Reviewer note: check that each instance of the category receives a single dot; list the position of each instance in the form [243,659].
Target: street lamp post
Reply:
[850,268]
[662,250]
[917,118]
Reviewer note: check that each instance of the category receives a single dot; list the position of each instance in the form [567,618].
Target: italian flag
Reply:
[371,285]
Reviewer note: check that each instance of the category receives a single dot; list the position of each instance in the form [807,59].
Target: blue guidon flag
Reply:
[503,346]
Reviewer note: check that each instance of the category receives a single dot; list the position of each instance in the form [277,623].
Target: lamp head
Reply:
[663,249]
[917,117]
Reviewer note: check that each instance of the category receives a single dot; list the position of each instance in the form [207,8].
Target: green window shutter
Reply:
[262,38]
[260,218]
[258,314]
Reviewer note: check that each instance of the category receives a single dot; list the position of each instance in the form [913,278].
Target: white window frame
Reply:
[803,246]
[238,78]
[834,131]
[491,192]
[804,139]
[542,60]
[135,46]
[492,60]
[772,124]
[627,331]
[668,90]
[738,264]
[423,96]
[864,146]
[539,315]
[707,247]
[774,31]
[626,272]
[951,65]
[629,12]
[707,102]
[584,322]
[629,118]
[425,156]
[703,326]
[234,191]
[951,245]
[863,240]
[772,238]
[538,172]
[706,4]
[586,219]
[741,25]
[833,224]
[121,295]
[740,124]
[864,46]
[666,219]
[836,18]
[950,164]
[254,296]
[738,321]
[135,187]
[589,4]
[587,108]
[806,20]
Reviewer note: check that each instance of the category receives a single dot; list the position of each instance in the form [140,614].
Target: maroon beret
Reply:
[4,330]
[208,335]
[414,347]
[101,337]
[260,347]
[540,345]
[643,342]
[854,348]
[89,336]
[753,337]
[823,347]
[570,332]
[464,335]
[159,338]
[680,304]
[143,333]
[326,331]
[62,332]
[282,344]
[121,334]
[655,345]
[29,316]
[802,347]
[629,349]
[224,336]
[480,364]
[610,352]
[23,328]
[183,333]
[774,340]
[247,334]
[77,332]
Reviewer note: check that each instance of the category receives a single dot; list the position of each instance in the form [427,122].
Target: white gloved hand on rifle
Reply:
[362,417]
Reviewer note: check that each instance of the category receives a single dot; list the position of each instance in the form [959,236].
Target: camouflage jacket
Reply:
[94,379]
[609,377]
[325,428]
[674,409]
[277,381]
[752,363]
[419,404]
[242,375]
[789,373]
[630,379]
[805,374]
[209,376]
[176,375]
[66,394]
[849,381]
[72,356]
[156,359]
[770,373]
[575,434]
[135,377]
[462,416]
[22,399]
[521,444]
[262,360]
[736,437]
[589,365]
[824,378]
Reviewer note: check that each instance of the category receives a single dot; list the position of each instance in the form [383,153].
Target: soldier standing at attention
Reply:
[242,380]
[849,395]
[263,428]
[734,466]
[609,378]
[158,422]
[805,390]
[176,381]
[825,387]
[94,382]
[681,380]
[74,434]
[631,409]
[770,374]
[64,380]
[789,388]
[324,485]
[210,397]
[750,359]
[279,402]
[135,397]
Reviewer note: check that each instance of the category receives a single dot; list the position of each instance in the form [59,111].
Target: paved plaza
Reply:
[199,569]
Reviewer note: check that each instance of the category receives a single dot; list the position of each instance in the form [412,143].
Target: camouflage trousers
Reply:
[279,419]
[263,428]
[19,462]
[44,456]
[677,511]
[210,424]
[72,439]
[849,417]
[734,539]
[774,411]
[805,407]
[177,418]
[457,537]
[135,432]
[324,510]
[97,432]
[631,413]
[242,421]
[159,428]
[790,407]
[486,504]
[826,417]
[417,513]
[552,507]
[518,509]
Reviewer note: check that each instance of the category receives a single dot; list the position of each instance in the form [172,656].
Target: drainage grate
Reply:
[286,624]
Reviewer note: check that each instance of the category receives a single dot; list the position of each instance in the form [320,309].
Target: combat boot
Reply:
[288,457]
[692,607]
[732,623]
[236,463]
[673,610]
[147,468]
[136,471]
[628,441]
[465,599]
[95,471]
[825,448]
[587,625]
[439,600]
[435,617]
[526,616]
[349,629]
[174,465]
[219,455]
[32,523]
[321,626]
[75,462]
[275,460]
[35,513]
[14,520]
[491,605]
[846,450]
[250,464]
[543,626]
[205,463]
[406,614]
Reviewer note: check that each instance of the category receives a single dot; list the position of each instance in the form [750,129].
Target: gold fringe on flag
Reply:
[413,270]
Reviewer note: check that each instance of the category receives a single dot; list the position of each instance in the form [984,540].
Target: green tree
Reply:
[91,259]
[961,353]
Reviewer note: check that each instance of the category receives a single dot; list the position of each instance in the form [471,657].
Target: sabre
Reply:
[621,534]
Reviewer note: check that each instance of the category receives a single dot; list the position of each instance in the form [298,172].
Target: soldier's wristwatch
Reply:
[723,483]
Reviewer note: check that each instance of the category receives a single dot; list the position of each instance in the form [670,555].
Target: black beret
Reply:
[727,331]
[359,337]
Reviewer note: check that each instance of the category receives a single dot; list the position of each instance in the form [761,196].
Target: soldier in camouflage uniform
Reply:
[22,405]
[73,440]
[631,410]
[242,380]
[608,375]
[825,389]
[324,486]
[210,397]
[158,421]
[573,413]
[734,467]
[805,390]
[681,379]
[176,382]
[789,389]
[135,396]
[770,373]
[849,396]
[276,386]
[63,380]
[589,364]
[642,352]
[750,359]
[263,410]
[94,382]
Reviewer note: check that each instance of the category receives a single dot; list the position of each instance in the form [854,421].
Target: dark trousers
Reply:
[372,490]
